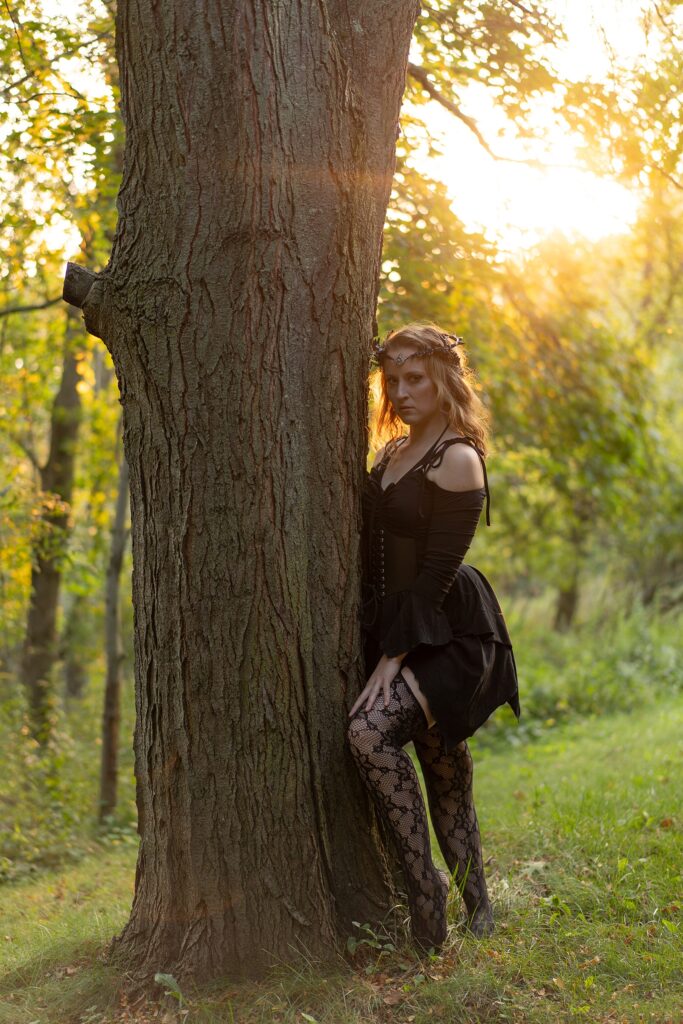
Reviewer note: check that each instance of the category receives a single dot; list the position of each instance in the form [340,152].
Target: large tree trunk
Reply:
[238,306]
[111,714]
[40,641]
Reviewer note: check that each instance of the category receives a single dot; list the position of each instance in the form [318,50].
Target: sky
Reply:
[517,204]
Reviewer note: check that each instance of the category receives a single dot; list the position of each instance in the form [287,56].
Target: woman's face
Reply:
[410,389]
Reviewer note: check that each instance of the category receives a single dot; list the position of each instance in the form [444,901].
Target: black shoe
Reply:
[480,923]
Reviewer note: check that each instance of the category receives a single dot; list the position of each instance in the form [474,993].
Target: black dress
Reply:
[421,598]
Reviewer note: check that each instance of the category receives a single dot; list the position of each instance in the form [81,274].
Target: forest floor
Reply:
[583,829]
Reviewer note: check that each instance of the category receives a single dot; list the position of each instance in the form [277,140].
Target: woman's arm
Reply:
[453,522]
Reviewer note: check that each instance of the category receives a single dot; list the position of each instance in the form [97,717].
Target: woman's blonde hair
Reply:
[455,385]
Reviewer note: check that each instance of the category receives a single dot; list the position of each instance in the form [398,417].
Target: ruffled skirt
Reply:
[464,662]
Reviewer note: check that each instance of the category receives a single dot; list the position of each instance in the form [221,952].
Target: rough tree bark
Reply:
[111,714]
[56,478]
[237,306]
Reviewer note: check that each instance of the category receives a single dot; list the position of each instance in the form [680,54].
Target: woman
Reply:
[436,643]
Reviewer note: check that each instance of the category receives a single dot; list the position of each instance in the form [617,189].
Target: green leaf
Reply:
[170,985]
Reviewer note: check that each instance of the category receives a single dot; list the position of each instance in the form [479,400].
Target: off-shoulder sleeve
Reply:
[420,618]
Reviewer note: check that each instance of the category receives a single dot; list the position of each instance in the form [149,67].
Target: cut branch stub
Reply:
[77,283]
[83,289]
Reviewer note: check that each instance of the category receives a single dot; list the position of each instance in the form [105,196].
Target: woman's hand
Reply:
[381,678]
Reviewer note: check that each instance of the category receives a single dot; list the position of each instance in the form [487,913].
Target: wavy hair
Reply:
[456,388]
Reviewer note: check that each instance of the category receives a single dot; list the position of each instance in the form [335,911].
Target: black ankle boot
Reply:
[480,922]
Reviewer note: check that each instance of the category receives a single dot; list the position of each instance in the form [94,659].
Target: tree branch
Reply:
[9,310]
[522,8]
[445,18]
[438,16]
[75,94]
[26,449]
[669,177]
[16,24]
[60,56]
[420,75]
[662,18]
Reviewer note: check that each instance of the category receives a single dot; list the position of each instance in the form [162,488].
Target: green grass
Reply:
[48,801]
[583,831]
[53,938]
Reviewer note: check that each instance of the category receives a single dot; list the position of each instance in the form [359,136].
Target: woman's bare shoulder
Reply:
[459,470]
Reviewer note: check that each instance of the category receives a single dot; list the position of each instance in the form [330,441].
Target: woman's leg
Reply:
[448,780]
[376,738]
[417,693]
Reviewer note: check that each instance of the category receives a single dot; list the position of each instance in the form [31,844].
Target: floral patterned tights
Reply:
[377,738]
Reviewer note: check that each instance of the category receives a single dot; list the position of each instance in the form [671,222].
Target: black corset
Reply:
[395,563]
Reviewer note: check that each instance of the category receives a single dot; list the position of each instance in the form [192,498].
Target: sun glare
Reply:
[517,203]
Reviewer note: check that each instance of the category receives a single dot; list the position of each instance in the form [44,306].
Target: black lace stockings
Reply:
[377,738]
[448,780]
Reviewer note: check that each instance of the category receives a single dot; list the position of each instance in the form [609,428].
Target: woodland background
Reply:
[577,344]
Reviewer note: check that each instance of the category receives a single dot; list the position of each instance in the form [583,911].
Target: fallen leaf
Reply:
[532,867]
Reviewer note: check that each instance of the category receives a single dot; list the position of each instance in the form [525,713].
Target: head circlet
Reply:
[447,350]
